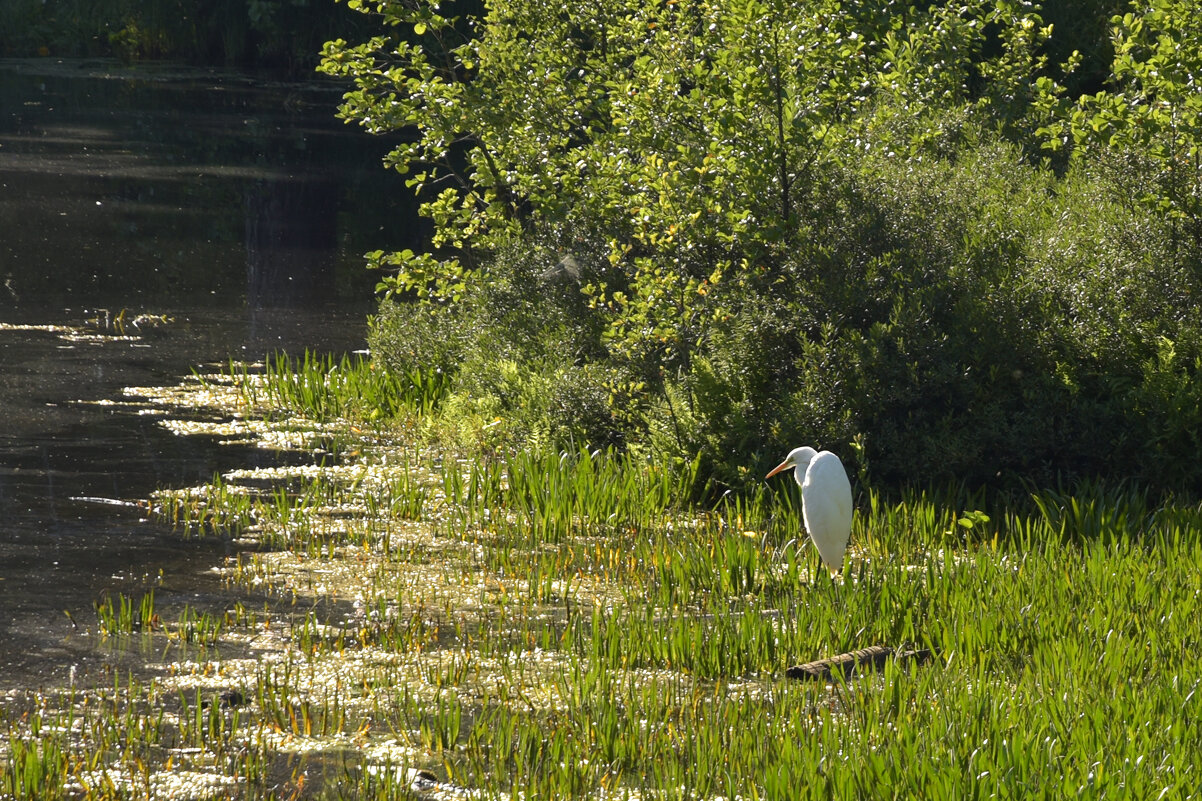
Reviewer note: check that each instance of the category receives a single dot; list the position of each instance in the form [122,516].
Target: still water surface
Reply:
[235,208]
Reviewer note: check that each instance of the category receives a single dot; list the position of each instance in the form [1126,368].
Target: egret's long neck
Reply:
[803,464]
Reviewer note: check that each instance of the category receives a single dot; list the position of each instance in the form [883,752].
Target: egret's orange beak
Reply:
[785,465]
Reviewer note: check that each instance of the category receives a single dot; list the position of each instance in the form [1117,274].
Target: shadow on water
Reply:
[238,209]
[123,185]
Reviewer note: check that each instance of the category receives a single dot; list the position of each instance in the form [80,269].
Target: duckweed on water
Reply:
[568,626]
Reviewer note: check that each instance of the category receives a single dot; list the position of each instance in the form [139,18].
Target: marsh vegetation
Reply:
[574,625]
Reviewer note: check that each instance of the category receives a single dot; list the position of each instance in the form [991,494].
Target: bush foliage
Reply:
[735,227]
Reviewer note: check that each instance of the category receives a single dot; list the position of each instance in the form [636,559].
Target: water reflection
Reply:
[237,209]
[290,242]
[124,186]
[59,552]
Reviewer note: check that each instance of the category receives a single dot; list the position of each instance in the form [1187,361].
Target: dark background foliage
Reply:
[281,35]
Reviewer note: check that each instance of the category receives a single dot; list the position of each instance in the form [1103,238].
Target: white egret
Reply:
[825,500]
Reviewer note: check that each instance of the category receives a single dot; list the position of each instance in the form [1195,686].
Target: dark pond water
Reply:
[240,209]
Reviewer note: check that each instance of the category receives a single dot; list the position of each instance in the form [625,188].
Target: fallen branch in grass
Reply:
[871,658]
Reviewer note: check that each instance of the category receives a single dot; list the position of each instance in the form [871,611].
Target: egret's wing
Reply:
[826,506]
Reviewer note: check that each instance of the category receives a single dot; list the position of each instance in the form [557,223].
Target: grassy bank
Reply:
[547,625]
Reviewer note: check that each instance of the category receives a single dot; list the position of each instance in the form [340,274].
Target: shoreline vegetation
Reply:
[951,243]
[404,623]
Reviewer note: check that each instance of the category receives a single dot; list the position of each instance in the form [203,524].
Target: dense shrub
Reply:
[816,225]
[524,352]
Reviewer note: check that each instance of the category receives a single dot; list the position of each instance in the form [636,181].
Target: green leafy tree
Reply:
[786,220]
[691,133]
[1152,115]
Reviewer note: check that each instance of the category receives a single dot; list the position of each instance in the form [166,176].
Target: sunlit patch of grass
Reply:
[573,642]
[568,625]
[322,388]
[36,767]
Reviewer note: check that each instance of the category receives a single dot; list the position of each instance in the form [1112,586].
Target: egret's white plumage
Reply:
[825,500]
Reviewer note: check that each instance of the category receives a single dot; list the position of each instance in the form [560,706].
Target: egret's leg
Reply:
[819,567]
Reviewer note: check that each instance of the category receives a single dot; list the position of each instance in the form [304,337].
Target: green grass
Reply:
[323,388]
[568,625]
[124,615]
